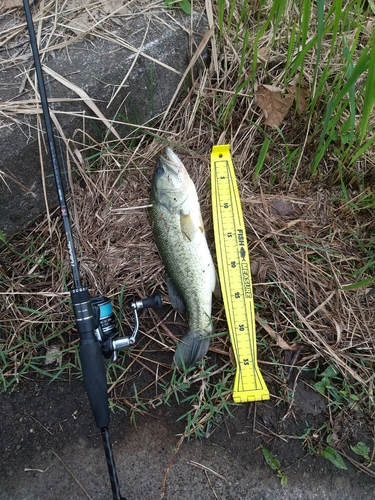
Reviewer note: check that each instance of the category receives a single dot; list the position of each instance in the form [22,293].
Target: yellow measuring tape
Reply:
[235,276]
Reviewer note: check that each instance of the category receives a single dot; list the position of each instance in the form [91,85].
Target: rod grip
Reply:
[95,380]
[93,369]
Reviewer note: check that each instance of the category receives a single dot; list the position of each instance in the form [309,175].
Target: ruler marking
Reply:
[235,277]
[241,240]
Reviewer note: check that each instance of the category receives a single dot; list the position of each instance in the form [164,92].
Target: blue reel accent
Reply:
[105,309]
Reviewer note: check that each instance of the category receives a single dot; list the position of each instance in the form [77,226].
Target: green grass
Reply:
[330,44]
[32,324]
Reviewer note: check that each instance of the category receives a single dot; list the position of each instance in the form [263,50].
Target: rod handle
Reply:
[93,369]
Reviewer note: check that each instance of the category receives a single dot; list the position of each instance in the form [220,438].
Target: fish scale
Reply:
[176,252]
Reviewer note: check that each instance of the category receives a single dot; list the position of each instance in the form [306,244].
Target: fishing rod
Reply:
[94,316]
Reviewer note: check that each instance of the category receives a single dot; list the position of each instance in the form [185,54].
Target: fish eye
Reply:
[159,171]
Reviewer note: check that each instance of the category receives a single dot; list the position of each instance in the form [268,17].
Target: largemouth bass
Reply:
[180,238]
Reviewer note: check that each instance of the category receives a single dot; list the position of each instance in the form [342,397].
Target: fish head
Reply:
[171,182]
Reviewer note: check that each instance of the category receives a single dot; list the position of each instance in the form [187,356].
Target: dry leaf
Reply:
[264,54]
[9,4]
[85,20]
[53,355]
[282,207]
[276,102]
[81,23]
[300,89]
[302,98]
[273,103]
[279,341]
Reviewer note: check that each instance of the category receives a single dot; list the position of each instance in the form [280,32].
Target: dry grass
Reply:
[307,243]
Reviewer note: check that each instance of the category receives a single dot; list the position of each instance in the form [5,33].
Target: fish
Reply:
[180,237]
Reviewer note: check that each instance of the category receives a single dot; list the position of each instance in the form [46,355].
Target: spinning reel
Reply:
[106,330]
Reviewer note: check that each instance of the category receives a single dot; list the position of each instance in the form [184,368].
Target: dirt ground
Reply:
[52,449]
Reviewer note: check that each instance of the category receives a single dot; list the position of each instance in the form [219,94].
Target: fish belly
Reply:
[188,263]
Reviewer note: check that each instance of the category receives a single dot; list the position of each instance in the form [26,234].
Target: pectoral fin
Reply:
[217,289]
[176,300]
[188,228]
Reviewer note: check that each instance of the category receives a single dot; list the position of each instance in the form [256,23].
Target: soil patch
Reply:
[52,449]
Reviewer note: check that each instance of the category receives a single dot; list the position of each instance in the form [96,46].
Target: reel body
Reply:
[105,324]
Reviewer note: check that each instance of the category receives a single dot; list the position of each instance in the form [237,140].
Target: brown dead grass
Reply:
[305,245]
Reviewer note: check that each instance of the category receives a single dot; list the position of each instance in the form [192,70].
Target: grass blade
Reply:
[369,98]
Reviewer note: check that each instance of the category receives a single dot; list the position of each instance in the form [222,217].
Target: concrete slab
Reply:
[52,449]
[148,49]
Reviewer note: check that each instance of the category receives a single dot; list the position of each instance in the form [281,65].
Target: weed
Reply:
[362,450]
[329,384]
[275,465]
[185,5]
[334,457]
[140,408]
[208,404]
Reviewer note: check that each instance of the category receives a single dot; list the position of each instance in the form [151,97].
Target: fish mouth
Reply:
[173,171]
[172,162]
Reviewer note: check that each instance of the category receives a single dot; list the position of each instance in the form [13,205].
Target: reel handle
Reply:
[154,301]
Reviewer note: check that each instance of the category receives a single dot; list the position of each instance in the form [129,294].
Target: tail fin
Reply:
[191,349]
